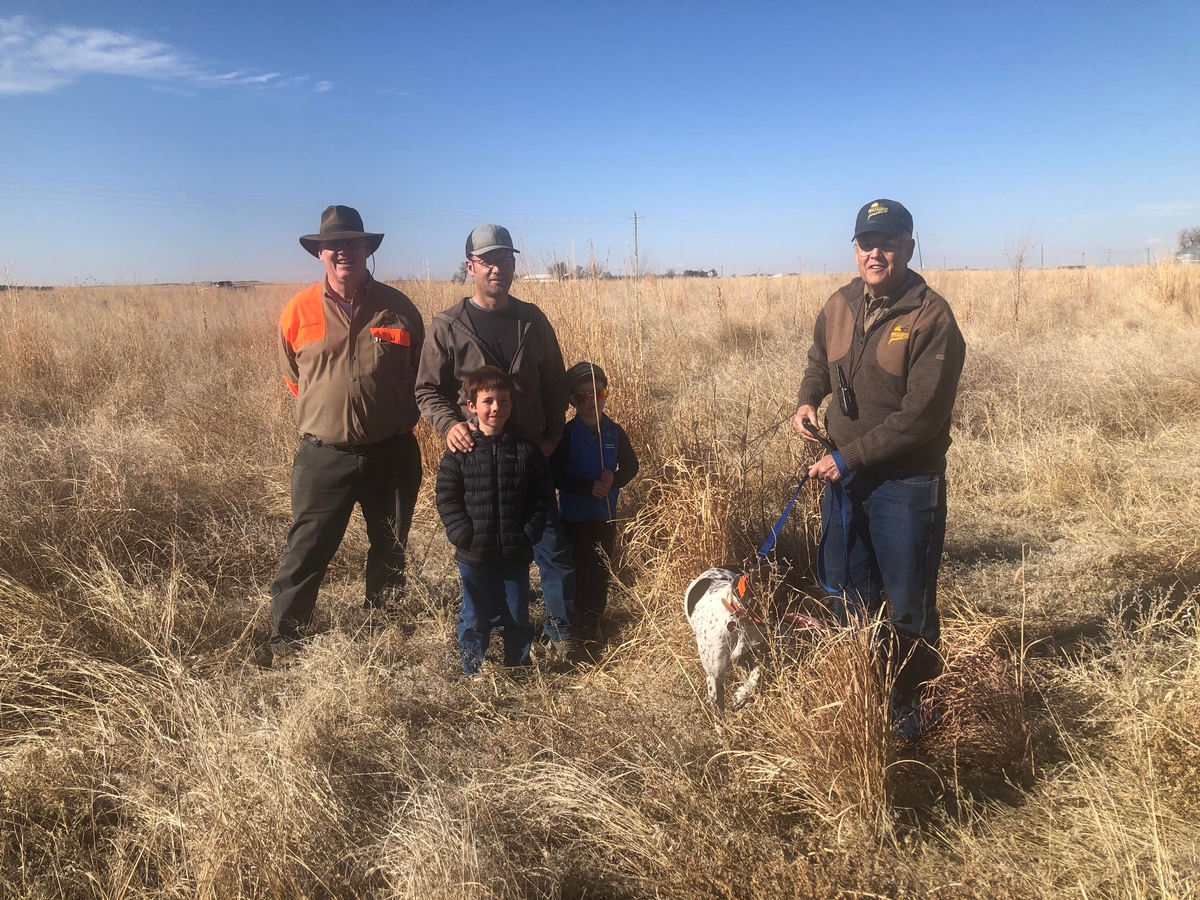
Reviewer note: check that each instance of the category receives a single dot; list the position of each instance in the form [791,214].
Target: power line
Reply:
[201,201]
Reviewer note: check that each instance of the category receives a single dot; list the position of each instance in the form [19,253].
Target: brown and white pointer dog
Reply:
[726,633]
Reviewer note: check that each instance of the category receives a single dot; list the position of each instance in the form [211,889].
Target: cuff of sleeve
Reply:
[443,425]
[814,402]
[849,457]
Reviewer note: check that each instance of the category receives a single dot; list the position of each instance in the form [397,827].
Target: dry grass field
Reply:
[145,752]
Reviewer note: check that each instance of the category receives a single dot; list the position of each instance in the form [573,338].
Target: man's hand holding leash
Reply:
[826,468]
[806,414]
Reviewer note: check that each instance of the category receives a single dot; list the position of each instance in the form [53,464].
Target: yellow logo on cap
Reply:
[899,333]
[875,210]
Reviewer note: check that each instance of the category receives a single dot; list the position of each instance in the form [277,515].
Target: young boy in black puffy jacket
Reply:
[494,502]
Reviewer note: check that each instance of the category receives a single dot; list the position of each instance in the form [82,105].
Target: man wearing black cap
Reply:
[349,349]
[889,350]
[494,328]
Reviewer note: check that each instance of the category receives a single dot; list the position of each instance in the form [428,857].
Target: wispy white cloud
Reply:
[1165,209]
[35,60]
[323,86]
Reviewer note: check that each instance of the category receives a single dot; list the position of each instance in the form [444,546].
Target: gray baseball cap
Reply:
[489,237]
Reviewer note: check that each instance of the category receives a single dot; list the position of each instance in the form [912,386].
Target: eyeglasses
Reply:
[500,262]
[342,246]
[867,245]
[584,396]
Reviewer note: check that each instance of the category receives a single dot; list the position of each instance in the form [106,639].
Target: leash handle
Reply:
[769,543]
[816,432]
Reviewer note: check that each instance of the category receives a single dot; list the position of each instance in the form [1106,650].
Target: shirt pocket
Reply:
[394,336]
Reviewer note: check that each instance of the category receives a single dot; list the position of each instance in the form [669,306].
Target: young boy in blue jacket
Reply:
[591,464]
[494,501]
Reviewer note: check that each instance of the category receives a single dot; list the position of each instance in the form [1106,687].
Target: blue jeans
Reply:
[892,539]
[556,563]
[494,593]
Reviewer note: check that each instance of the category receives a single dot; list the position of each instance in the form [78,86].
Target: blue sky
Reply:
[143,141]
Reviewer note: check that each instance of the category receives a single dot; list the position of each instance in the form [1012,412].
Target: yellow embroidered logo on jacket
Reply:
[899,333]
[875,210]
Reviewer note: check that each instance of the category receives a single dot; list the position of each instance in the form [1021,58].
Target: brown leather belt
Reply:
[359,449]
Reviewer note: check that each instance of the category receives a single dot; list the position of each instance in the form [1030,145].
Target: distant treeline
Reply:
[690,273]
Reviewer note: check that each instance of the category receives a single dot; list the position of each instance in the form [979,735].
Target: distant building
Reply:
[1189,256]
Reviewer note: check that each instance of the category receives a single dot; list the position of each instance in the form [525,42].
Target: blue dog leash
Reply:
[838,496]
[769,543]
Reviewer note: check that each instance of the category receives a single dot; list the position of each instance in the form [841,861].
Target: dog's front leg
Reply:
[716,694]
[749,687]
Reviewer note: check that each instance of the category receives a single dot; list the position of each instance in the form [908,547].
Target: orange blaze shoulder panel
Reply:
[303,319]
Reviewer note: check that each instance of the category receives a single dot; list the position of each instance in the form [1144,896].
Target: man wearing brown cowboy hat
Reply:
[349,349]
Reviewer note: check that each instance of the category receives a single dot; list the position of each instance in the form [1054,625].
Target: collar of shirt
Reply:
[877,306]
[506,310]
[359,295]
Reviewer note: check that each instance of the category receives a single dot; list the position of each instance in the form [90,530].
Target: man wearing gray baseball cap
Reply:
[888,349]
[494,328]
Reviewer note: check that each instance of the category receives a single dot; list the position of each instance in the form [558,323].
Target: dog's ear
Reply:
[698,589]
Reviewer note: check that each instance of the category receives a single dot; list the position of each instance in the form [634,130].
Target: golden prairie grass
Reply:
[144,751]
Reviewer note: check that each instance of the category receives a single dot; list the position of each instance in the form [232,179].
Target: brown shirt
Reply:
[353,375]
[877,306]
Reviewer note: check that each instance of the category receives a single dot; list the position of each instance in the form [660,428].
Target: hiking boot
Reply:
[566,650]
[914,721]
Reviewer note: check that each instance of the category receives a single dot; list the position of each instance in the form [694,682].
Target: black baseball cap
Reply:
[886,217]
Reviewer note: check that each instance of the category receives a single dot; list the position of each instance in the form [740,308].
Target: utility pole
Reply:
[1147,256]
[1043,246]
[1083,259]
[920,259]
[1108,256]
[637,264]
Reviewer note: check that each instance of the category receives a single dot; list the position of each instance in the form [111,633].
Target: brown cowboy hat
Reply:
[340,223]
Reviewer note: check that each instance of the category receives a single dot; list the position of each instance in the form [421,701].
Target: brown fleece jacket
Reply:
[904,371]
[453,350]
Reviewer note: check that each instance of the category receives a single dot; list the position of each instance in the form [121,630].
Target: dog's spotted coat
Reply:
[723,638]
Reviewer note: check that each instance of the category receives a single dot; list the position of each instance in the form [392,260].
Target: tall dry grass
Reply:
[144,751]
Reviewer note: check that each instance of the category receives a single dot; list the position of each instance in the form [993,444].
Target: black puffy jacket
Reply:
[494,500]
